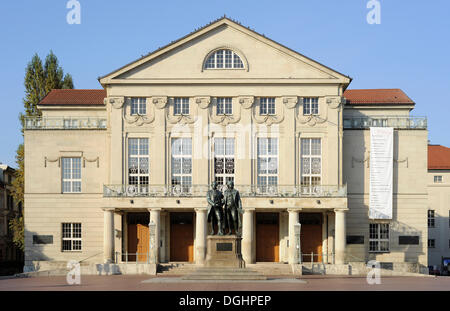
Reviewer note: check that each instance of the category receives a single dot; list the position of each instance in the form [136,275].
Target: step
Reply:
[225,274]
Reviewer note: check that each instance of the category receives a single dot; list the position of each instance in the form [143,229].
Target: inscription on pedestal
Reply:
[224,247]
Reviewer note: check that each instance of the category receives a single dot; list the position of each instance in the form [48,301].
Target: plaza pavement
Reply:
[175,283]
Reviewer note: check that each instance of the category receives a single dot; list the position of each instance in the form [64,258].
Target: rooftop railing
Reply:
[64,123]
[400,122]
[288,191]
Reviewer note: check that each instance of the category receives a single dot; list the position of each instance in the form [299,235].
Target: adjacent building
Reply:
[120,174]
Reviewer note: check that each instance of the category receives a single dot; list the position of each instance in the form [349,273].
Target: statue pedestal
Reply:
[224,251]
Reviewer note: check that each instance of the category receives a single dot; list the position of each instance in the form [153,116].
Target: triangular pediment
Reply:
[263,59]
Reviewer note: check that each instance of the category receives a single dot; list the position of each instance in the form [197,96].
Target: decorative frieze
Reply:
[160,102]
[246,101]
[290,101]
[115,102]
[202,101]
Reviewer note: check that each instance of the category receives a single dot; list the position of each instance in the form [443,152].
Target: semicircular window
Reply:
[224,59]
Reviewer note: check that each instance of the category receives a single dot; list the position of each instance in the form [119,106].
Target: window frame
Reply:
[185,179]
[431,243]
[431,218]
[212,60]
[267,106]
[438,179]
[224,106]
[70,180]
[268,157]
[72,237]
[308,103]
[378,239]
[142,144]
[226,142]
[181,108]
[138,106]
[310,156]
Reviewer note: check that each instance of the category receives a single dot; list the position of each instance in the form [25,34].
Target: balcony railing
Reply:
[64,123]
[400,122]
[289,191]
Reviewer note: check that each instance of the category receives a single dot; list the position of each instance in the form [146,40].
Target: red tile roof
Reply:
[74,97]
[438,157]
[377,96]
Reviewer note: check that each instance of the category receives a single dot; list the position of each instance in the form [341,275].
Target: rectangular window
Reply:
[311,163]
[224,106]
[71,175]
[71,237]
[181,165]
[223,160]
[378,237]
[138,164]
[267,106]
[431,243]
[438,179]
[181,106]
[310,105]
[431,219]
[267,165]
[138,106]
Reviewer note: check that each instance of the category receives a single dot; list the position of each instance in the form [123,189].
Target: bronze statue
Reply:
[215,213]
[233,209]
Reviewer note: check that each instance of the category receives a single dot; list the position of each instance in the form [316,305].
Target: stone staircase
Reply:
[225,273]
[272,268]
[176,268]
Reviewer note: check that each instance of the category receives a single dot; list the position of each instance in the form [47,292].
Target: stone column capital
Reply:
[340,210]
[108,209]
[251,209]
[154,209]
[200,209]
[294,210]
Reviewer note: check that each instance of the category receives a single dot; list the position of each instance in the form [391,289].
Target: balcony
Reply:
[289,191]
[64,123]
[412,123]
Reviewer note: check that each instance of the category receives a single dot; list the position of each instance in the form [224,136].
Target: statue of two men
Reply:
[224,209]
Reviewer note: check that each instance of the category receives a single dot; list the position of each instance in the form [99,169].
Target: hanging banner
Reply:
[381,172]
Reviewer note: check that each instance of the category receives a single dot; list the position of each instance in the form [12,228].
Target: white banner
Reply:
[381,170]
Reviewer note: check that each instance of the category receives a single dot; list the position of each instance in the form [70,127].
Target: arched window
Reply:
[224,59]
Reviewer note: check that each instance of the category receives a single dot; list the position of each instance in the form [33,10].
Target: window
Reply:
[379,237]
[181,165]
[181,106]
[71,175]
[224,106]
[431,243]
[267,106]
[138,163]
[311,162]
[438,179]
[138,106]
[71,237]
[223,160]
[431,219]
[267,164]
[310,105]
[224,59]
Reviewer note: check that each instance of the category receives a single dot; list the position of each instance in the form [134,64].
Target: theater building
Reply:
[120,174]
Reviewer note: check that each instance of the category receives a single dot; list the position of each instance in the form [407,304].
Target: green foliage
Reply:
[40,79]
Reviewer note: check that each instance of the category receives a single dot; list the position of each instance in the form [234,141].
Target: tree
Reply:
[39,81]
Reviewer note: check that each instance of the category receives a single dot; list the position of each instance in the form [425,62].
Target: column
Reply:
[154,249]
[200,235]
[293,220]
[247,235]
[340,236]
[108,235]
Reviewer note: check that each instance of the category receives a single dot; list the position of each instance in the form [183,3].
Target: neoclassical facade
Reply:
[120,174]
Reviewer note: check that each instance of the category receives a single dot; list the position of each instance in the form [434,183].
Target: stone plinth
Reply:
[224,251]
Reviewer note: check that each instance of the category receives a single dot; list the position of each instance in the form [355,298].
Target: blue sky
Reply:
[410,49]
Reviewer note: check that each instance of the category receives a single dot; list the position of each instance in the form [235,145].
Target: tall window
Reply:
[431,243]
[311,161]
[224,106]
[267,164]
[71,237]
[181,165]
[138,106]
[138,163]
[181,106]
[223,160]
[224,59]
[379,237]
[267,106]
[310,105]
[431,218]
[71,175]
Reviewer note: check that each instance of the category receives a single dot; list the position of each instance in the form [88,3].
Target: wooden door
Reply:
[181,237]
[311,237]
[267,237]
[138,242]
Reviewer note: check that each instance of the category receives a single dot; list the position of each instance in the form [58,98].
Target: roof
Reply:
[377,96]
[74,97]
[438,157]
[208,27]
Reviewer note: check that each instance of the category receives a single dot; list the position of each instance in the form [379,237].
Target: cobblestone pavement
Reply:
[149,283]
